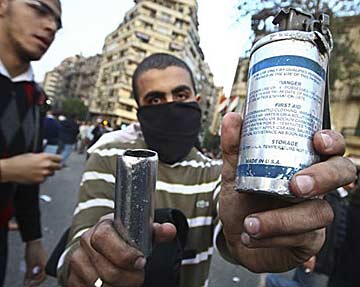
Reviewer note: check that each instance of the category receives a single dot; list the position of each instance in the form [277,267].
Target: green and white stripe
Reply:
[192,186]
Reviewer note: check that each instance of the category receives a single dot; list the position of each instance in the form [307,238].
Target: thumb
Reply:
[230,141]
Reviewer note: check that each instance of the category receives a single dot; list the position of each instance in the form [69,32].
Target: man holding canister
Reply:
[263,234]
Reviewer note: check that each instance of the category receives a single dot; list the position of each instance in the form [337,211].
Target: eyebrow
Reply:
[180,89]
[53,12]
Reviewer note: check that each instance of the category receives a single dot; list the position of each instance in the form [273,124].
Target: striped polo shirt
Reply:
[192,185]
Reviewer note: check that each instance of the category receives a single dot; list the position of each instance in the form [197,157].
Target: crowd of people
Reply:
[64,134]
[196,205]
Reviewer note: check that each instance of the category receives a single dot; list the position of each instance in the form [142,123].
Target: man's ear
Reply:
[198,98]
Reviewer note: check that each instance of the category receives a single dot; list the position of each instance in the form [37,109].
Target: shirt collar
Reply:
[27,76]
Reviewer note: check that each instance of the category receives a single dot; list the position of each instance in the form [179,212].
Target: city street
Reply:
[56,217]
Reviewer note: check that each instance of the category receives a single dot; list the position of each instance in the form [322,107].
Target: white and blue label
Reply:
[284,109]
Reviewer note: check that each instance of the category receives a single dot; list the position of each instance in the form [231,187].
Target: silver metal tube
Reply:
[285,105]
[135,185]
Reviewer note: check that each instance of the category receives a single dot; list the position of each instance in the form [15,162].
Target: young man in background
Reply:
[27,29]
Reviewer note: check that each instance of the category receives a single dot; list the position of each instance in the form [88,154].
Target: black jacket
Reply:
[22,108]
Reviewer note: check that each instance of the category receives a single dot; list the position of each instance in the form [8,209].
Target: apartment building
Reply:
[239,88]
[51,85]
[345,97]
[75,77]
[150,26]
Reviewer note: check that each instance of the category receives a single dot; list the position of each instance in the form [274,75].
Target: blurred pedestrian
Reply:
[69,130]
[27,29]
[346,271]
[84,132]
[51,128]
[97,132]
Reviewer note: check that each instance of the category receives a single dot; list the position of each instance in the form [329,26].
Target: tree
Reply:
[211,142]
[75,107]
[345,62]
[260,10]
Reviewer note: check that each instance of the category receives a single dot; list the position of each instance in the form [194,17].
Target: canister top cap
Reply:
[296,19]
[293,19]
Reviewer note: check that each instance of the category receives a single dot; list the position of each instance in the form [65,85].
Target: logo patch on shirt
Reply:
[202,204]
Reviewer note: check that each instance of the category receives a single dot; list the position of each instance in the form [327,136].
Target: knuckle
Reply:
[48,164]
[347,168]
[284,223]
[127,257]
[101,231]
[351,167]
[275,223]
[332,171]
[322,213]
[84,239]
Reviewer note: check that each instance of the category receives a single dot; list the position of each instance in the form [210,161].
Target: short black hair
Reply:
[159,61]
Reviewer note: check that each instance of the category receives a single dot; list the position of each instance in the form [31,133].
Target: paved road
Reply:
[56,217]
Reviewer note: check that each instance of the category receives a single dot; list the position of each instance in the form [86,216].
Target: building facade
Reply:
[345,96]
[239,88]
[75,77]
[151,26]
[220,110]
[51,85]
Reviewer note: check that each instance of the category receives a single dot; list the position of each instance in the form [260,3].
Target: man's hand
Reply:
[108,255]
[268,234]
[35,258]
[29,168]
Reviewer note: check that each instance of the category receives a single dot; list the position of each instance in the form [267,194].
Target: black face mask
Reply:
[170,129]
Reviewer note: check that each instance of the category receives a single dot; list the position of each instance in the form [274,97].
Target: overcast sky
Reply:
[87,22]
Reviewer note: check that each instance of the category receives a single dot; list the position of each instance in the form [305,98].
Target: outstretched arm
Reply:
[267,234]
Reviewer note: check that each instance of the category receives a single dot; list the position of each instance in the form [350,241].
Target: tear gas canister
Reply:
[287,103]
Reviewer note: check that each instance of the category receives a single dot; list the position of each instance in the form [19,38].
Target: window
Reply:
[148,25]
[143,37]
[110,47]
[175,47]
[141,53]
[110,105]
[162,30]
[165,17]
[179,23]
[104,80]
[193,52]
[177,36]
[151,12]
[132,63]
[126,107]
